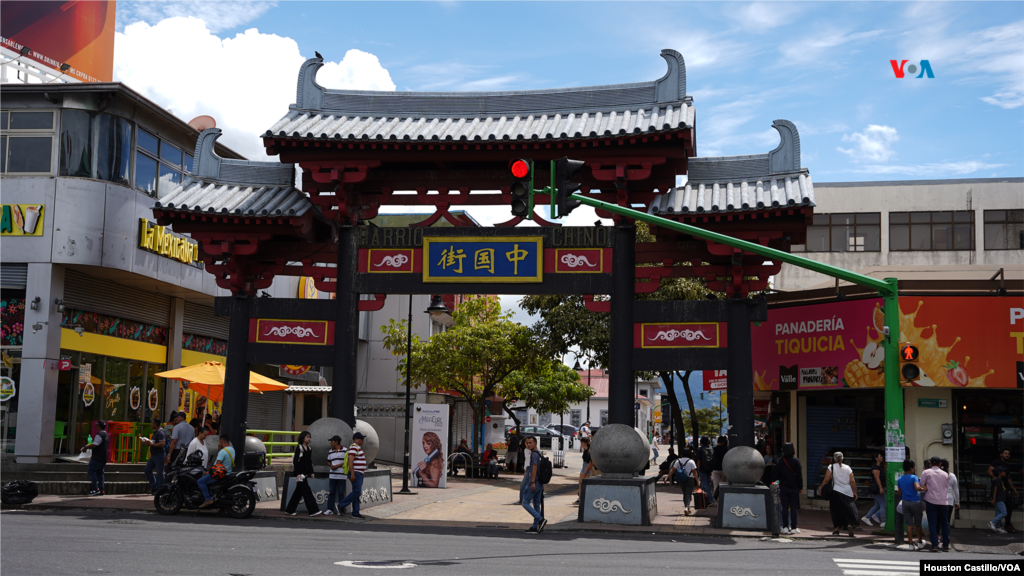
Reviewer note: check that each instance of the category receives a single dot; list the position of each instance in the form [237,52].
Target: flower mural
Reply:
[96,323]
[12,321]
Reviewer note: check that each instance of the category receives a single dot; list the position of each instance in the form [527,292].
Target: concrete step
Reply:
[82,488]
[73,476]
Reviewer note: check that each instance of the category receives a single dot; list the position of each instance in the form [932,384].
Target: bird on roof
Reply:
[318,55]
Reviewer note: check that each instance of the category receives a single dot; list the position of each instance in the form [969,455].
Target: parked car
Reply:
[567,430]
[543,435]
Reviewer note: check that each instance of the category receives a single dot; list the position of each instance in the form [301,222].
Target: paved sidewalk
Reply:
[474,503]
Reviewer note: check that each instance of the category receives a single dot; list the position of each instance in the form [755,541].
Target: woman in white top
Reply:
[953,492]
[843,502]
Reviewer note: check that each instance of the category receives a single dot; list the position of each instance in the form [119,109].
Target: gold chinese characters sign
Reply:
[483,259]
[158,240]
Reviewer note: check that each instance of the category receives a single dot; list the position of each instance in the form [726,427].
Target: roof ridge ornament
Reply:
[785,157]
[310,95]
[209,166]
[672,86]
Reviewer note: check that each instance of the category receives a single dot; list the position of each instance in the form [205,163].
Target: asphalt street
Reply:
[135,543]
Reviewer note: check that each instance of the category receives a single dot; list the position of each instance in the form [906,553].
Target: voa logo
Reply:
[925,68]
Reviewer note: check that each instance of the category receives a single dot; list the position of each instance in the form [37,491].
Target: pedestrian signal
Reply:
[909,353]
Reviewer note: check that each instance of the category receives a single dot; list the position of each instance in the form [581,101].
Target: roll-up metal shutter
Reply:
[95,295]
[199,319]
[827,427]
[14,275]
[265,411]
[463,423]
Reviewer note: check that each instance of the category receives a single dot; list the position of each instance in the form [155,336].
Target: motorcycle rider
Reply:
[225,456]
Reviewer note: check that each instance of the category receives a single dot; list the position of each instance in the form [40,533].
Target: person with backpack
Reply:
[223,466]
[155,463]
[790,475]
[302,465]
[356,461]
[717,458]
[684,471]
[336,457]
[705,458]
[100,445]
[534,489]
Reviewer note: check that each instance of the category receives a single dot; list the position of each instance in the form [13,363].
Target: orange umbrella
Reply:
[207,379]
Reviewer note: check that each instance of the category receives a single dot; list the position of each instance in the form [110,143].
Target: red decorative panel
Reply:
[578,260]
[390,260]
[679,335]
[315,332]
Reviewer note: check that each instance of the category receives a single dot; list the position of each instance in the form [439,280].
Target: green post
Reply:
[551,195]
[888,289]
[893,397]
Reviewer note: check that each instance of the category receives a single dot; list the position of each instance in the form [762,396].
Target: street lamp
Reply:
[436,308]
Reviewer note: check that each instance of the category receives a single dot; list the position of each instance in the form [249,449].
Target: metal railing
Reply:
[271,444]
[15,68]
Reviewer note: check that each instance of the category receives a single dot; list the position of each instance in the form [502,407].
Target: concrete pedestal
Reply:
[376,489]
[628,501]
[748,508]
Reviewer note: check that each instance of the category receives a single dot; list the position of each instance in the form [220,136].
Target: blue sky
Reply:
[823,65]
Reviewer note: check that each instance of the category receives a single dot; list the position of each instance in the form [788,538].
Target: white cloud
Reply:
[874,144]
[220,15]
[814,47]
[931,170]
[245,82]
[762,16]
[458,76]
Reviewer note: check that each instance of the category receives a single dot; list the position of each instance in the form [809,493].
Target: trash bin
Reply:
[559,460]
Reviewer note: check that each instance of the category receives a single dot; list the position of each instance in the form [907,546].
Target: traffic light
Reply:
[564,169]
[521,174]
[909,355]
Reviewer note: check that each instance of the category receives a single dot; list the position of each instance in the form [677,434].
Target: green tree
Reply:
[553,389]
[709,421]
[473,357]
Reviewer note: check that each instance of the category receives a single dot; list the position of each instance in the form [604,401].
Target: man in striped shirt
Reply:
[356,470]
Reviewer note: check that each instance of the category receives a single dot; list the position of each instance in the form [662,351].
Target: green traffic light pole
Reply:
[888,290]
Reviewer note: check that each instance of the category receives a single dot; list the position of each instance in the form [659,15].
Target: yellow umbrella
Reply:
[207,379]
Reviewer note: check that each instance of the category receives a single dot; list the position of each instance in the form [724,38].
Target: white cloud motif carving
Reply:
[282,331]
[740,512]
[604,506]
[671,335]
[575,261]
[396,261]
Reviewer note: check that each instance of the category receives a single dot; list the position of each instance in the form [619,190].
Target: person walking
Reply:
[302,465]
[684,470]
[226,457]
[534,491]
[154,469]
[910,489]
[1004,462]
[717,457]
[181,435]
[588,467]
[789,473]
[842,503]
[198,444]
[936,484]
[336,476]
[357,469]
[99,445]
[584,434]
[1000,490]
[876,489]
[705,458]
[953,496]
[512,452]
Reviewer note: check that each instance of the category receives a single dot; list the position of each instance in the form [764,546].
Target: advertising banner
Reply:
[79,34]
[427,449]
[715,380]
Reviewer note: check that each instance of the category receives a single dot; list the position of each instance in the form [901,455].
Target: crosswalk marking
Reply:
[855,567]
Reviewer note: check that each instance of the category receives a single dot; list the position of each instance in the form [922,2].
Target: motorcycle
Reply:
[236,494]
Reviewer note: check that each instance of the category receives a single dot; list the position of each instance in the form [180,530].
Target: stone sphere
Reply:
[619,449]
[212,442]
[322,430]
[647,447]
[743,466]
[371,444]
[254,444]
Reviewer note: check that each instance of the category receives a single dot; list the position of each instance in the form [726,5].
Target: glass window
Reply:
[188,163]
[170,153]
[136,394]
[3,154]
[4,117]
[844,233]
[94,145]
[115,389]
[154,391]
[90,370]
[30,154]
[31,120]
[148,142]
[1004,229]
[946,230]
[169,180]
[145,173]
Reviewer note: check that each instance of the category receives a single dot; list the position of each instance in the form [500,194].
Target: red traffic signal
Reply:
[521,187]
[909,353]
[520,168]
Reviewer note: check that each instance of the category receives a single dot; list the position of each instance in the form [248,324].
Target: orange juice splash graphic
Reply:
[759,382]
[937,368]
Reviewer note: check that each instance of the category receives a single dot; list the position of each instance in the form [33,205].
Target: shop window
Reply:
[312,408]
[95,145]
[860,232]
[1004,229]
[89,398]
[931,231]
[159,165]
[604,417]
[154,398]
[115,389]
[576,418]
[26,142]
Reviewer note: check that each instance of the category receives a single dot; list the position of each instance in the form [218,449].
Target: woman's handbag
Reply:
[827,489]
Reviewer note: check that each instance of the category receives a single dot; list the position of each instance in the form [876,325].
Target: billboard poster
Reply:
[819,347]
[427,450]
[715,380]
[79,34]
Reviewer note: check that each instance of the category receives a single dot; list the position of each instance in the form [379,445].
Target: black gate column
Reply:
[236,378]
[620,380]
[346,329]
[740,376]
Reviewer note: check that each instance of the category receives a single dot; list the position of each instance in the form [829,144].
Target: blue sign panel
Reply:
[483,259]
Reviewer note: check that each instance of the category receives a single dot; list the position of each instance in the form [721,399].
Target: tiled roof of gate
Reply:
[743,183]
[614,110]
[235,187]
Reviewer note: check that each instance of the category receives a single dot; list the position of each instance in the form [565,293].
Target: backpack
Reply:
[706,457]
[345,464]
[544,470]
[218,470]
[679,476]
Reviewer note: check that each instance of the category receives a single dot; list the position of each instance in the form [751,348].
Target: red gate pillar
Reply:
[346,328]
[620,379]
